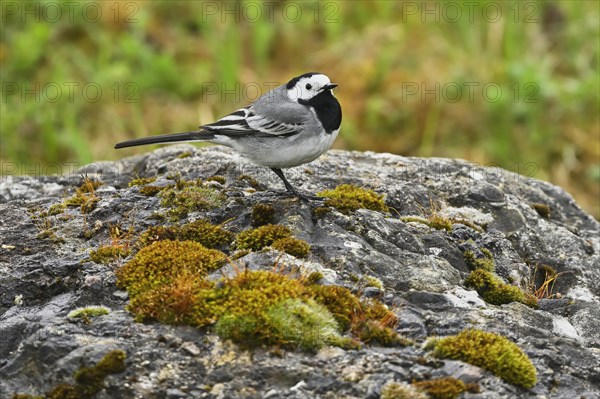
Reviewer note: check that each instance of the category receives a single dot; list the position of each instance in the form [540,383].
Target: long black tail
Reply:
[198,135]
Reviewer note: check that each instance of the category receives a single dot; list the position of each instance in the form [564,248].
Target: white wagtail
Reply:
[289,126]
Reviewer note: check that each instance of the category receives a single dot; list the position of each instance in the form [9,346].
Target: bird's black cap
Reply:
[295,80]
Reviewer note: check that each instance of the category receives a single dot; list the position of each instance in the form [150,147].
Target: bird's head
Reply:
[304,87]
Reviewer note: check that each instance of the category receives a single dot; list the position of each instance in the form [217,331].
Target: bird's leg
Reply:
[291,188]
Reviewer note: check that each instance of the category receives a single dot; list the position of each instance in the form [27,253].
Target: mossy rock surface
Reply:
[212,321]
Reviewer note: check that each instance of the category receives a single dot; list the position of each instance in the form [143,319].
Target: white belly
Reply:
[282,152]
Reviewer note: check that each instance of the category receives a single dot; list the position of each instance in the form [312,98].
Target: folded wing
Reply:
[244,122]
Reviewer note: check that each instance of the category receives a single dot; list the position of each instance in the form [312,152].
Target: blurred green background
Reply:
[504,83]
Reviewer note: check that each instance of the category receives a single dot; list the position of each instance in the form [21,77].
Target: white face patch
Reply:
[308,87]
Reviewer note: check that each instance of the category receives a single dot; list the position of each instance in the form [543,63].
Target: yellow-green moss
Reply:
[440,222]
[490,351]
[371,281]
[85,196]
[108,253]
[186,196]
[495,291]
[266,307]
[251,293]
[445,388]
[373,331]
[150,191]
[262,214]
[401,390]
[160,262]
[88,312]
[348,198]
[263,236]
[293,246]
[185,300]
[50,234]
[542,209]
[141,181]
[340,301]
[246,330]
[201,230]
[167,282]
[56,209]
[320,211]
[314,277]
[88,380]
[485,263]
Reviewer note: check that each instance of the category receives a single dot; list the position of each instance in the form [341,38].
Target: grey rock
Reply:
[422,270]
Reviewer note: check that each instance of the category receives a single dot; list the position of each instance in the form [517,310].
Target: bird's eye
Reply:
[308,86]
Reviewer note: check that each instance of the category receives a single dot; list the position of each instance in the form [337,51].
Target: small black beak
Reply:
[329,86]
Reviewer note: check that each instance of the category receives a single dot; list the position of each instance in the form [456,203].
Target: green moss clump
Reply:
[159,263]
[277,236]
[64,391]
[293,246]
[291,321]
[340,301]
[56,209]
[185,197]
[542,209]
[370,321]
[88,312]
[445,388]
[490,351]
[305,323]
[242,329]
[348,198]
[251,293]
[263,236]
[89,185]
[373,331]
[262,214]
[401,390]
[150,191]
[201,230]
[184,154]
[141,181]
[108,253]
[320,211]
[474,263]
[495,291]
[186,300]
[85,196]
[206,233]
[166,281]
[88,380]
[440,222]
[371,281]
